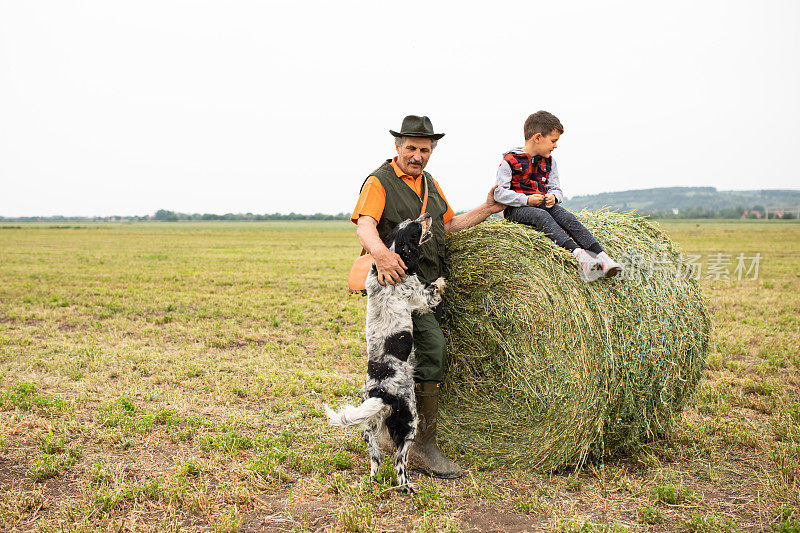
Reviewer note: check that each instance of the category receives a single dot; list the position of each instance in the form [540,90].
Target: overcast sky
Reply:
[128,107]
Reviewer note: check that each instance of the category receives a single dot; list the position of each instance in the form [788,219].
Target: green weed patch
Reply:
[26,397]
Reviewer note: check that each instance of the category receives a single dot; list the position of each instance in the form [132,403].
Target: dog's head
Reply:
[406,239]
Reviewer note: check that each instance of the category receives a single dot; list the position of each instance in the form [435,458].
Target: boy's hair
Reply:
[541,122]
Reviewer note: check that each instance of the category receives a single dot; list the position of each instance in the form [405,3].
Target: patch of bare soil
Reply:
[275,513]
[487,518]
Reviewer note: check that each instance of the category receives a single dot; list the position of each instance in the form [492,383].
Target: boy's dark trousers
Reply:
[558,224]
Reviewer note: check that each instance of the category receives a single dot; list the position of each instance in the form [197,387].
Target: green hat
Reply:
[414,126]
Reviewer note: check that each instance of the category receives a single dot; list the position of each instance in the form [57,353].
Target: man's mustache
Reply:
[412,162]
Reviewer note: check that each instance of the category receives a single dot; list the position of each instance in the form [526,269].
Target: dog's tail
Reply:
[349,415]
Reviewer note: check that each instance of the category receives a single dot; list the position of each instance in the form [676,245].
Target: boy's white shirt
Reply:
[505,195]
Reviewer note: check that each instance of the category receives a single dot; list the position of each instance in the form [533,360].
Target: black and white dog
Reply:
[388,395]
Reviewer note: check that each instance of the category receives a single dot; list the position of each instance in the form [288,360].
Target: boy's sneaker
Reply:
[590,268]
[610,267]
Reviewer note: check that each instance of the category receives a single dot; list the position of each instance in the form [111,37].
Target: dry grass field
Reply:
[170,376]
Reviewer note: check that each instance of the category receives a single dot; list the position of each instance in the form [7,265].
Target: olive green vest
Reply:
[402,203]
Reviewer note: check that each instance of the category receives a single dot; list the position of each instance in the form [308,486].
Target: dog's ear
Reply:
[406,245]
[390,239]
[398,234]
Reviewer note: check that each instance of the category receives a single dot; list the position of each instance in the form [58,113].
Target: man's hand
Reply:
[535,200]
[391,268]
[493,205]
[549,200]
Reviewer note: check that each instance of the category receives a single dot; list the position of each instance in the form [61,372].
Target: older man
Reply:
[391,194]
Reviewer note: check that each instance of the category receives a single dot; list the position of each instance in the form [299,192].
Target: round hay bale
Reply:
[546,370]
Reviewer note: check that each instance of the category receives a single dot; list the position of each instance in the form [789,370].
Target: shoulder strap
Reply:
[425,194]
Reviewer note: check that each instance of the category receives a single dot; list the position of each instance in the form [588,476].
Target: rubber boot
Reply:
[425,454]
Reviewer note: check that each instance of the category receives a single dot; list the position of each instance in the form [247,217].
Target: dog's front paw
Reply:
[439,285]
[408,488]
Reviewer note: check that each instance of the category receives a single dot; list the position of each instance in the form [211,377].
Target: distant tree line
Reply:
[171,216]
[163,214]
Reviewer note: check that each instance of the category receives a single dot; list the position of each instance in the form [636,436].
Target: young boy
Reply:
[527,182]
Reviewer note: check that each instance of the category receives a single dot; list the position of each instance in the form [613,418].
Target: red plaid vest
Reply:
[529,175]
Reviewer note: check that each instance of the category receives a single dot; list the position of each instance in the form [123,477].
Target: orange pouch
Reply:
[357,281]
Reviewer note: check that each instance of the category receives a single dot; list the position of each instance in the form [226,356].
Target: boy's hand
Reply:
[549,200]
[535,200]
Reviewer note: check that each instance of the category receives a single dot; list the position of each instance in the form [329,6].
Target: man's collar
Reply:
[399,172]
